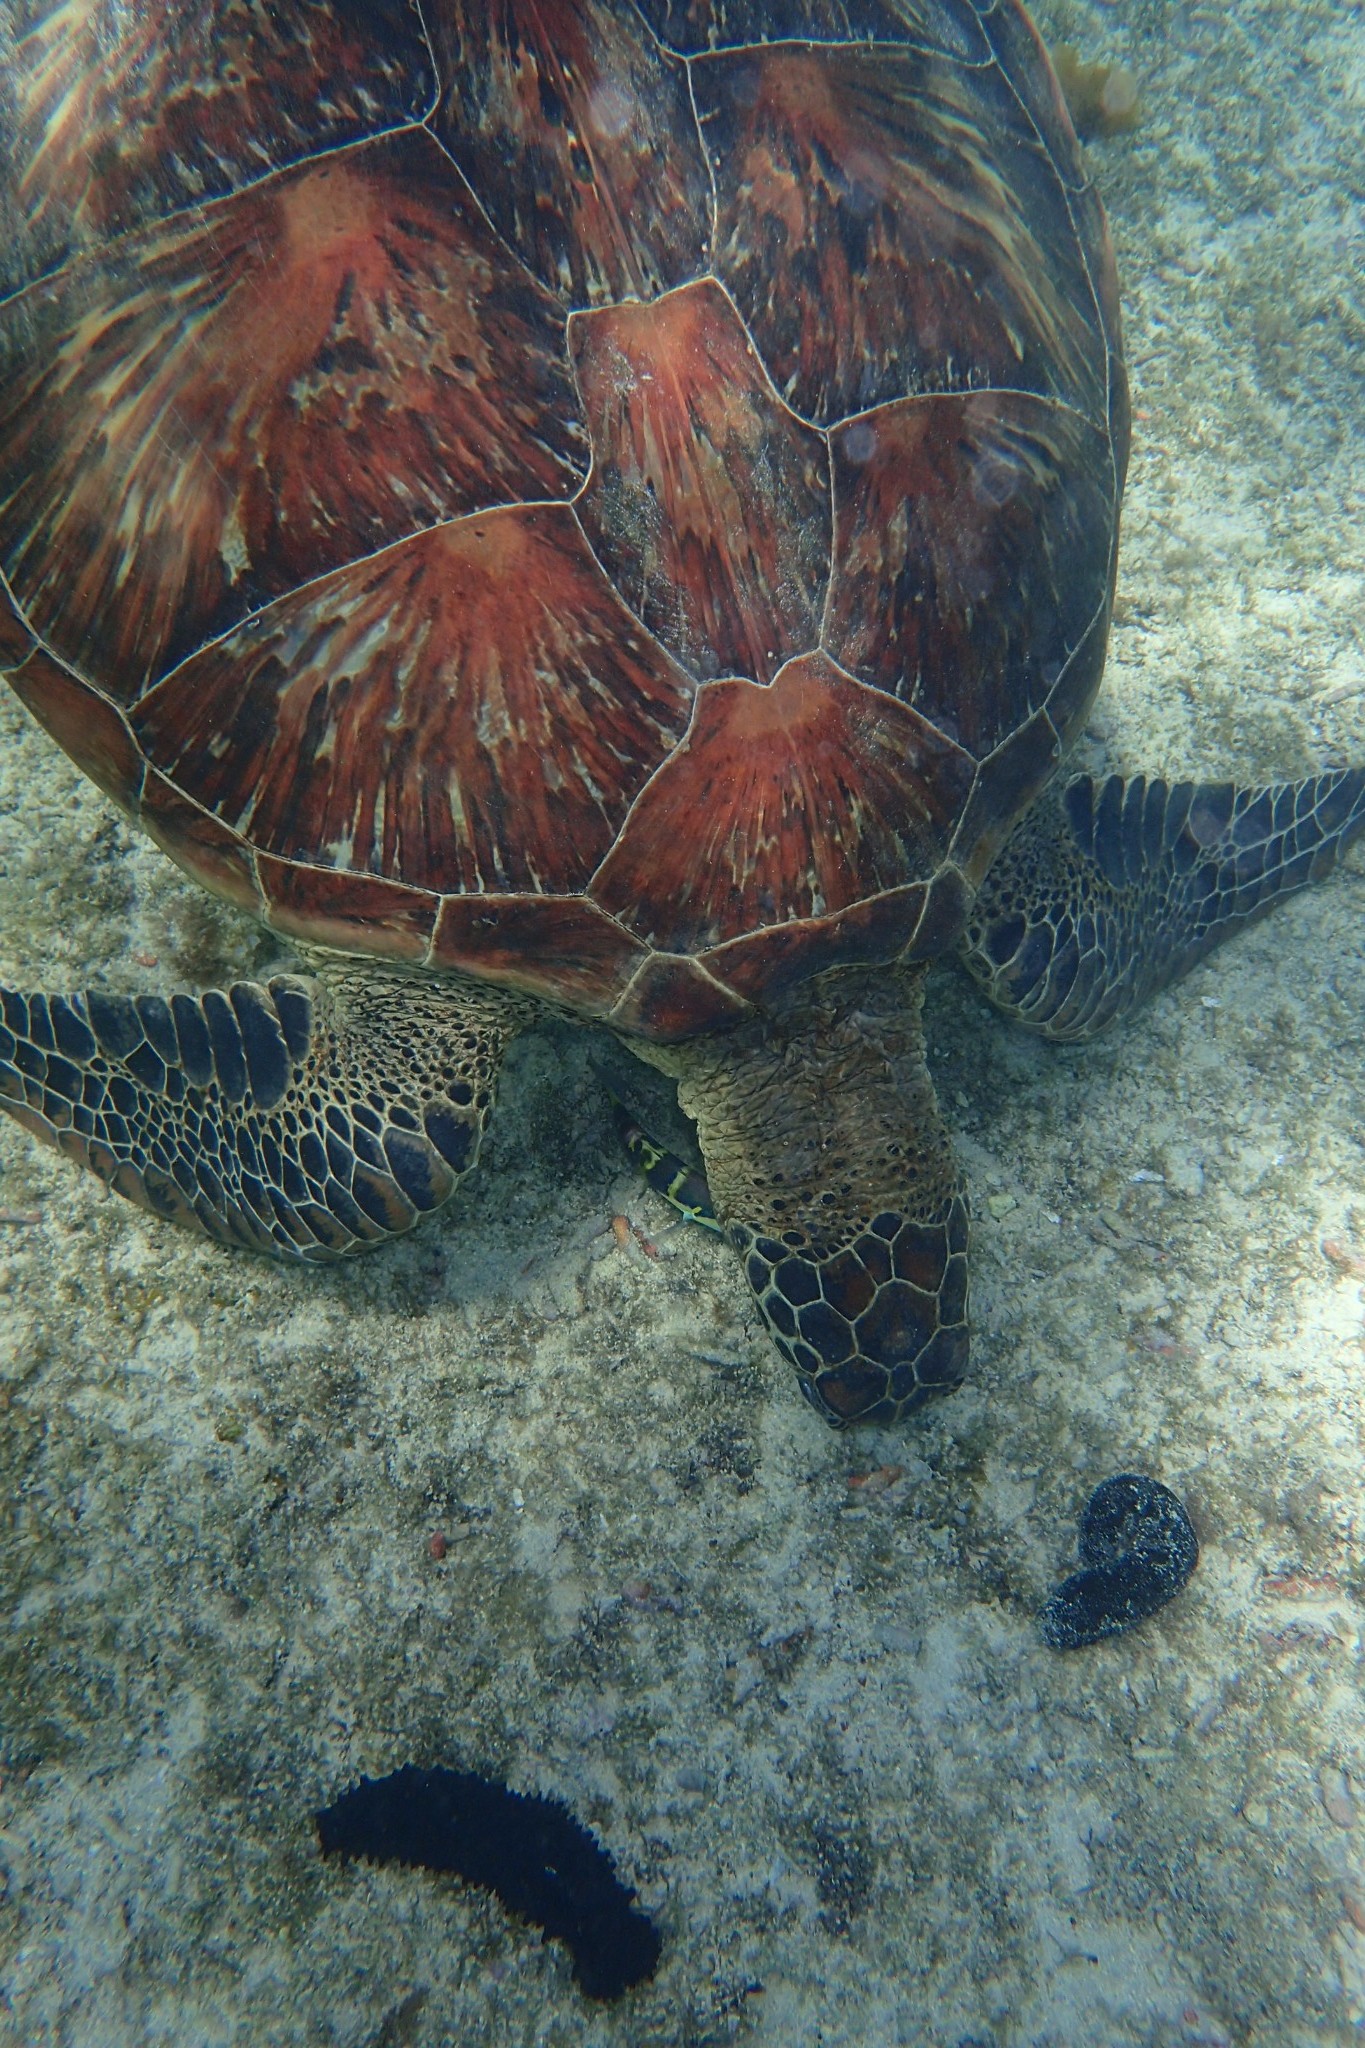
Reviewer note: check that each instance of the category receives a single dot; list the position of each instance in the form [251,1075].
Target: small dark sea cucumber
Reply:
[539,1859]
[1138,1547]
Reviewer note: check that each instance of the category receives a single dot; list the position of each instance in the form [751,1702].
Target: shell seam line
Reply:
[655,772]
[647,632]
[260,611]
[204,209]
[1070,193]
[495,233]
[707,165]
[431,59]
[855,43]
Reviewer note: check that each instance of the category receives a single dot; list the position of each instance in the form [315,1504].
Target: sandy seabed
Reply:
[814,1721]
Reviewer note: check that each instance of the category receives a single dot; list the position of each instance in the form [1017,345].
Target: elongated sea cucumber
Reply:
[532,1851]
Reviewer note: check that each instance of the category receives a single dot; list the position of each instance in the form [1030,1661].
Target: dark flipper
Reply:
[833,1178]
[290,1117]
[1109,890]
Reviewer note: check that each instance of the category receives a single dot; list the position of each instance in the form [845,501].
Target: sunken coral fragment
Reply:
[541,1862]
[1102,99]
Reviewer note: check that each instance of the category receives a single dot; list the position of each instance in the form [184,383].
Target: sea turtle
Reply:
[600,504]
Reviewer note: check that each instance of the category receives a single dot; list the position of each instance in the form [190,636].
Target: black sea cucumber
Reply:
[1138,1546]
[531,1851]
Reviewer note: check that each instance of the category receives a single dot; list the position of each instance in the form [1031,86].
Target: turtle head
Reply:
[832,1176]
[875,1319]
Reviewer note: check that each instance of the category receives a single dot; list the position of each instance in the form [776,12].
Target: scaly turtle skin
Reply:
[600,503]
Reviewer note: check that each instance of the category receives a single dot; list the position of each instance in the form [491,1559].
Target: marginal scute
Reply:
[1018,48]
[576,131]
[196,842]
[84,724]
[1071,696]
[347,913]
[1009,780]
[945,913]
[16,641]
[556,946]
[764,964]
[671,997]
[708,501]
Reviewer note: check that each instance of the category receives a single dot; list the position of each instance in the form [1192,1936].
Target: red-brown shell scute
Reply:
[577,131]
[560,697]
[709,500]
[971,533]
[882,222]
[618,497]
[121,115]
[251,394]
[783,803]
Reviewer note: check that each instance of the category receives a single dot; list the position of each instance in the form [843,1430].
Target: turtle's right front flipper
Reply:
[1108,890]
[294,1117]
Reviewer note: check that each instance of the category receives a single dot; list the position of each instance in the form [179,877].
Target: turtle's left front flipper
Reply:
[307,1118]
[1110,889]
